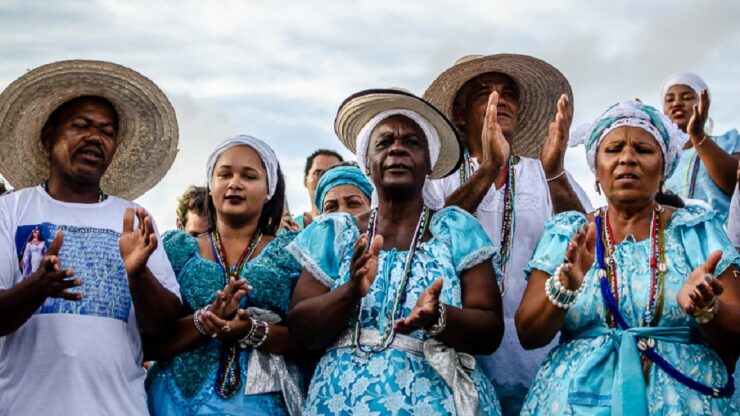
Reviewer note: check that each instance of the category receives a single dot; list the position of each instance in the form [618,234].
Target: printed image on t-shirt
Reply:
[94,256]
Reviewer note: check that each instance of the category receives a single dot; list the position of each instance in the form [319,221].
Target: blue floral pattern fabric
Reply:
[393,381]
[185,384]
[705,189]
[692,234]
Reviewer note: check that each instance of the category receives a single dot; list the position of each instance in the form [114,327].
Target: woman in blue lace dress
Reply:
[226,356]
[706,167]
[643,295]
[398,296]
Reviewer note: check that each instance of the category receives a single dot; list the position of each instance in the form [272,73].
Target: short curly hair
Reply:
[195,199]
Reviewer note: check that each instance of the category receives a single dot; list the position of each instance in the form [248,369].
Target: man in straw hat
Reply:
[514,112]
[74,134]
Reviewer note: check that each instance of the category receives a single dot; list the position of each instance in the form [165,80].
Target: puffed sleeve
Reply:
[321,247]
[180,248]
[701,233]
[466,238]
[273,275]
[550,250]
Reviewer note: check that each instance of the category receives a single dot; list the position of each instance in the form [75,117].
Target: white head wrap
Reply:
[633,114]
[269,159]
[684,78]
[363,138]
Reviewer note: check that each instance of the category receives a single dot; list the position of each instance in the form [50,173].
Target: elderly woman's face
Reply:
[346,198]
[398,155]
[239,183]
[678,104]
[629,165]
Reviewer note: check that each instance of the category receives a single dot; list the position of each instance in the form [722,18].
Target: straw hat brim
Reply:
[357,110]
[147,134]
[540,86]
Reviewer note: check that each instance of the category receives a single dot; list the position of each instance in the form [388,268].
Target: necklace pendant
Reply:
[662,267]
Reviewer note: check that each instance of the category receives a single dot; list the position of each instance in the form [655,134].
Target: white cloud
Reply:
[279,70]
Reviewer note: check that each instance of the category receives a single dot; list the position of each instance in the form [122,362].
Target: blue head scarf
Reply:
[341,175]
[632,114]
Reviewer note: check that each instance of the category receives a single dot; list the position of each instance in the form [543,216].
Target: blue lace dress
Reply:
[704,187]
[692,234]
[185,385]
[392,382]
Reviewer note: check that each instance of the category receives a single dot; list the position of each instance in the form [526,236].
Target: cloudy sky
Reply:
[278,70]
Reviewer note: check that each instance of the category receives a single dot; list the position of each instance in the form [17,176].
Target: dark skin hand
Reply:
[156,307]
[20,302]
[718,163]
[552,157]
[495,151]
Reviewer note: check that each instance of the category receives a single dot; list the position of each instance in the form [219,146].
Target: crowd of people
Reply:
[454,267]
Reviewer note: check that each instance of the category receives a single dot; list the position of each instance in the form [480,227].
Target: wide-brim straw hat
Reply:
[540,86]
[147,134]
[357,110]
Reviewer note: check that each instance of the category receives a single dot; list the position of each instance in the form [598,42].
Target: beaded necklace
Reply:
[229,371]
[507,222]
[654,306]
[102,196]
[389,335]
[692,170]
[646,346]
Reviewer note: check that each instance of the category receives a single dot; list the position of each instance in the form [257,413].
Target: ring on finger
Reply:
[226,328]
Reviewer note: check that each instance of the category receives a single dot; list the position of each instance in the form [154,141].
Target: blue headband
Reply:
[341,175]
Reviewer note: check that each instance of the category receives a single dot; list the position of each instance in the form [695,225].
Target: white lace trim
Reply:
[308,263]
[475,258]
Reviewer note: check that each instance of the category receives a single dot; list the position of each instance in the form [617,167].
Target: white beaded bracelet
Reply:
[196,322]
[558,294]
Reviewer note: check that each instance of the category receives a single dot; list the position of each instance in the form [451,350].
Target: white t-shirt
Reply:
[74,357]
[511,364]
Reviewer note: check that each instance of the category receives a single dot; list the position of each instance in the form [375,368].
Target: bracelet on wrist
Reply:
[441,323]
[556,176]
[558,294]
[196,321]
[256,336]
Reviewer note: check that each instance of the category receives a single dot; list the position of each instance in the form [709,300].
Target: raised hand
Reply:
[364,266]
[425,313]
[496,148]
[552,154]
[579,257]
[701,287]
[136,245]
[51,278]
[227,300]
[699,117]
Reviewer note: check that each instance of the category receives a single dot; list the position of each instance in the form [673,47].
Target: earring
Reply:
[598,188]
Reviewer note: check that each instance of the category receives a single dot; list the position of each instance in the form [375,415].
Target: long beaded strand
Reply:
[389,335]
[507,222]
[228,378]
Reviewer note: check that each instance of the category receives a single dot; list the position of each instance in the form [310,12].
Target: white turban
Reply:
[265,152]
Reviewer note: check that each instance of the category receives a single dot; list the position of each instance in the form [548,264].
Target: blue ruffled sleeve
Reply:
[700,232]
[180,247]
[273,275]
[466,238]
[550,250]
[321,247]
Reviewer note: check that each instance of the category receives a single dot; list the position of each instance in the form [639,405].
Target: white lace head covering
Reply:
[363,138]
[633,114]
[269,159]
